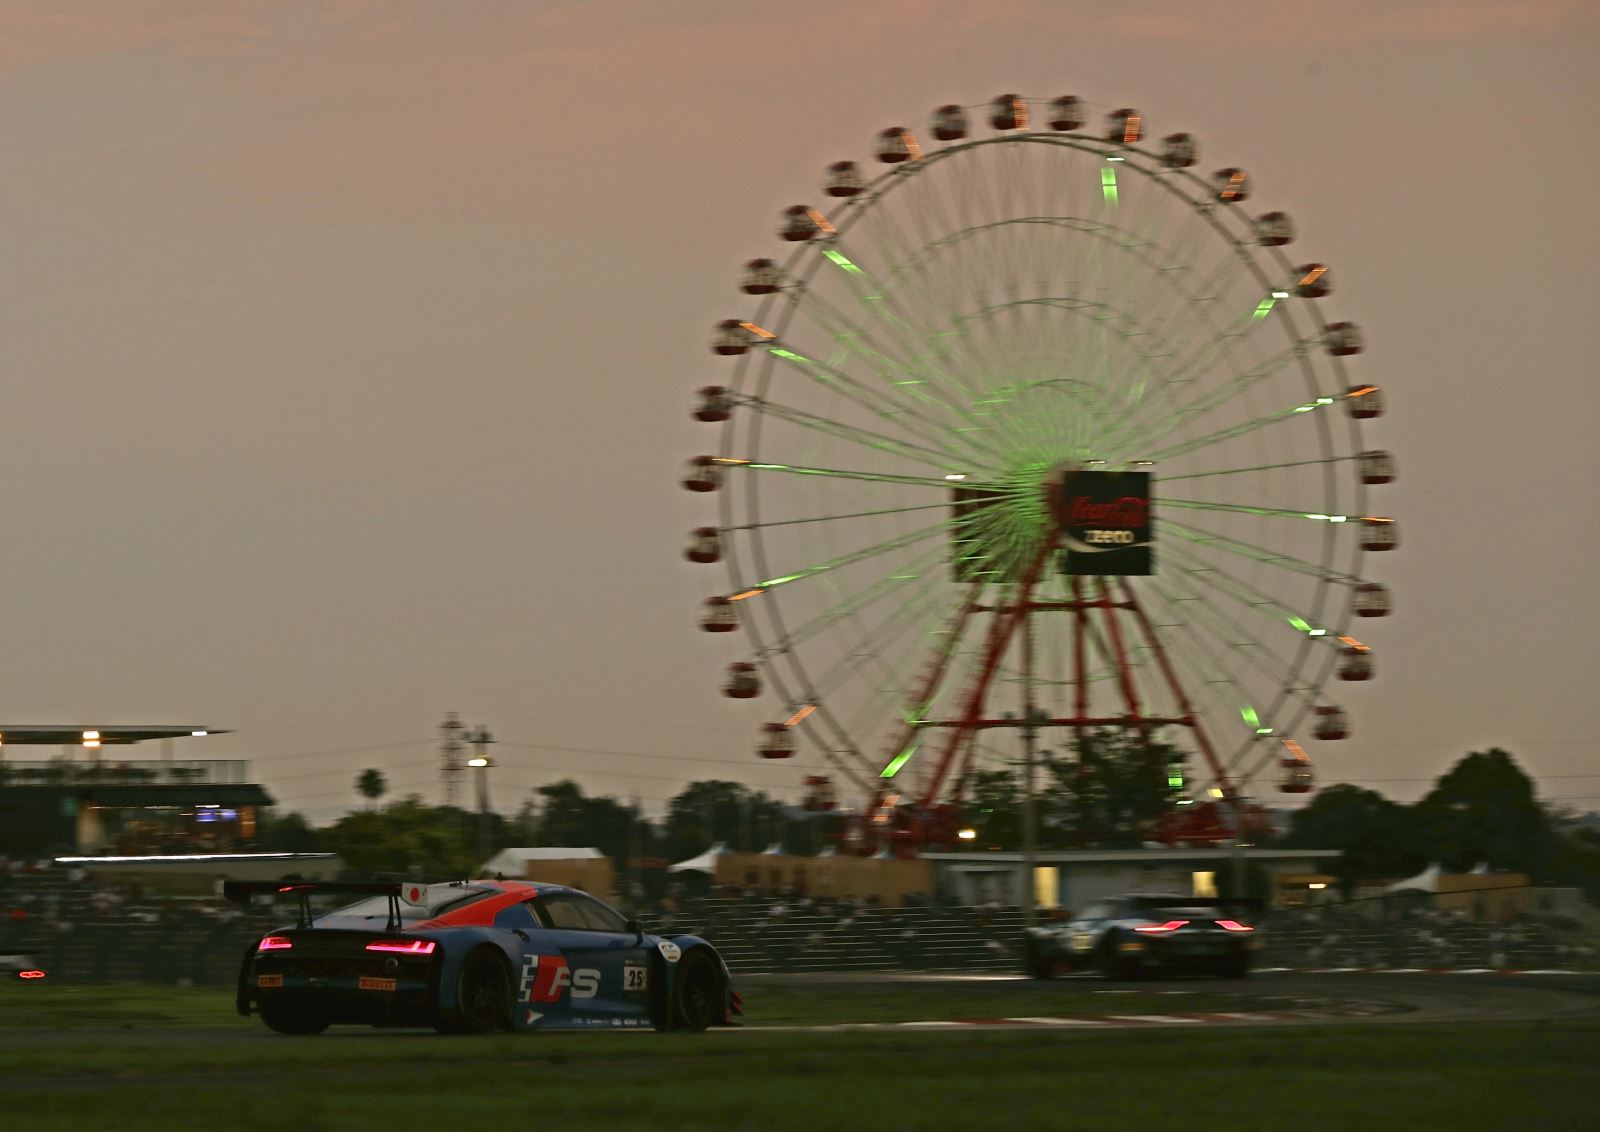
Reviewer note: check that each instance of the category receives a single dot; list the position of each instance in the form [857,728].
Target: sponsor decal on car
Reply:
[544,977]
[269,980]
[669,951]
[366,982]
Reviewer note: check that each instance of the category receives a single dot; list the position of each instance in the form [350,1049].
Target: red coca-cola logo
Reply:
[1127,512]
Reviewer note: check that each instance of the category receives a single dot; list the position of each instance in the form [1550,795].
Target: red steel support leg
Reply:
[1229,791]
[1000,632]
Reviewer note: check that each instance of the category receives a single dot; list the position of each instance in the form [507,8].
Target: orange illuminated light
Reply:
[1130,131]
[761,331]
[747,593]
[1355,644]
[1363,391]
[799,715]
[1312,276]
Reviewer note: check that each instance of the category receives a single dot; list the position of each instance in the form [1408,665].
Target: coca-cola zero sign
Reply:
[1106,523]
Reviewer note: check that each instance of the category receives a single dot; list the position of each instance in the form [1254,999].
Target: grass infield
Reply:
[140,1057]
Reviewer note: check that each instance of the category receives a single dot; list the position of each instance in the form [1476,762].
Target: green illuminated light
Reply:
[782,353]
[897,762]
[842,261]
[1249,715]
[1108,184]
[1263,731]
[1264,308]
[1303,626]
[779,581]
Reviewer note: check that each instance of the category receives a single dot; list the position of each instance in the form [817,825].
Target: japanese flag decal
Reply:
[669,951]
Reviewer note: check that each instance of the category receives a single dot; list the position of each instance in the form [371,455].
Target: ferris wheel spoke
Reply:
[768,524]
[823,568]
[852,604]
[743,464]
[940,457]
[1215,669]
[906,415]
[909,372]
[1201,574]
[1254,468]
[1209,399]
[1256,553]
[1249,509]
[1265,421]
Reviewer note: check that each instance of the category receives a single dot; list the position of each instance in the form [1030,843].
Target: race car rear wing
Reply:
[240,892]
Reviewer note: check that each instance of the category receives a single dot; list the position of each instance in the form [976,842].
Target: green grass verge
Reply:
[1369,1077]
[136,1057]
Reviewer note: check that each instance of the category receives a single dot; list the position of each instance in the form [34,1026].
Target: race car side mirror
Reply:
[633,926]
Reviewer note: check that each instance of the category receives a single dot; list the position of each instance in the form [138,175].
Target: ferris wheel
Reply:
[1038,425]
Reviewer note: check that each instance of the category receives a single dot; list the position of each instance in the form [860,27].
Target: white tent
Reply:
[774,850]
[1425,881]
[704,863]
[513,862]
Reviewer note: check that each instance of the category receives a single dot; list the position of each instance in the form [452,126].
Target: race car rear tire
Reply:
[483,996]
[286,1016]
[1038,964]
[698,1001]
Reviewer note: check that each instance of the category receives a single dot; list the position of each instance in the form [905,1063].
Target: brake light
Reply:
[1234,926]
[275,943]
[34,974]
[1157,929]
[404,946]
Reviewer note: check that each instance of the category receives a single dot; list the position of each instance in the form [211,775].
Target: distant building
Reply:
[89,799]
[1069,879]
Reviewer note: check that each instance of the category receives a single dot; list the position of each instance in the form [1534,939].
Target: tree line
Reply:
[1103,791]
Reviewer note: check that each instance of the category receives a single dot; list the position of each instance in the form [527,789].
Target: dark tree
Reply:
[290,833]
[994,813]
[372,784]
[747,821]
[1483,811]
[411,838]
[568,817]
[1109,791]
[1379,838]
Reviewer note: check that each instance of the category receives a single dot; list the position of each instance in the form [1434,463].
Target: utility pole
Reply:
[480,760]
[450,748]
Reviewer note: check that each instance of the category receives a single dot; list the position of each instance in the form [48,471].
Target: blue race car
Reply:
[475,957]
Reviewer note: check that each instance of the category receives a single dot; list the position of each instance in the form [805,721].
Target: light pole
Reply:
[480,740]
[1031,719]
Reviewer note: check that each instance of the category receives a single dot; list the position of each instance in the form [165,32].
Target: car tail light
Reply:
[275,943]
[1157,929]
[30,974]
[403,946]
[1234,926]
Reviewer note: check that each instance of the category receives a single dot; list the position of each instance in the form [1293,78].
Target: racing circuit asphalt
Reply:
[1343,998]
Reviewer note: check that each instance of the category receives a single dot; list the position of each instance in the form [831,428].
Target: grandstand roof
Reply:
[111,734]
